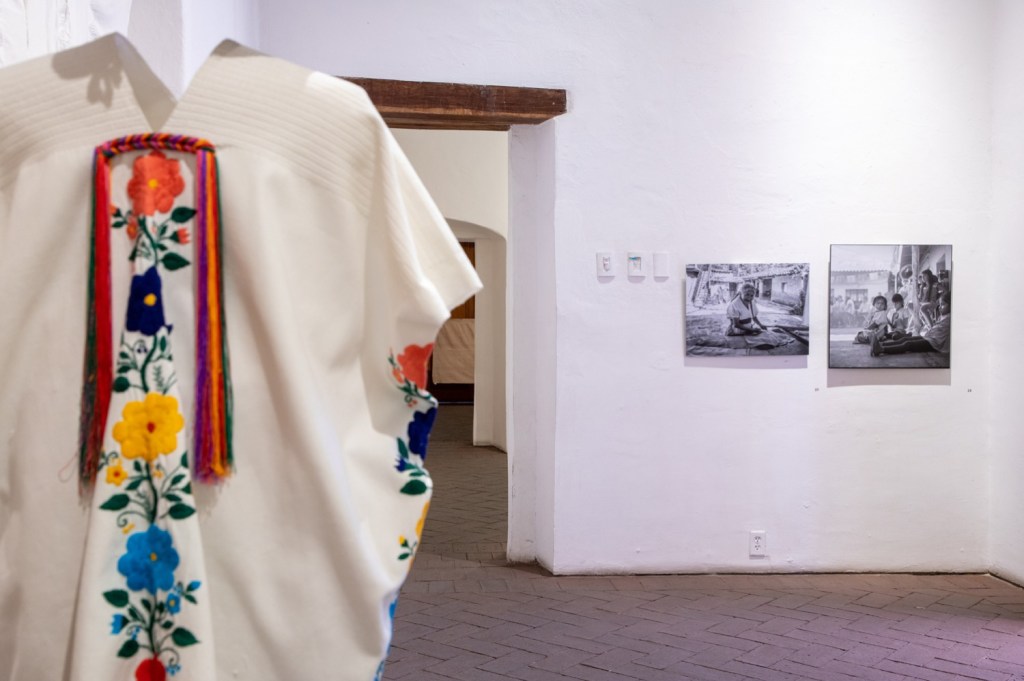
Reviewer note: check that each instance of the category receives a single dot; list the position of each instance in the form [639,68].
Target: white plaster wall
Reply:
[1007,364]
[207,23]
[465,171]
[726,131]
[156,29]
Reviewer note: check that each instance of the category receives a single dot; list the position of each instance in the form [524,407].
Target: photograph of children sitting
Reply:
[890,306]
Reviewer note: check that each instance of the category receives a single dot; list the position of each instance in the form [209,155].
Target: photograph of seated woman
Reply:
[742,314]
[934,339]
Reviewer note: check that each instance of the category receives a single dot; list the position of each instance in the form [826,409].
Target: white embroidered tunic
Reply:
[338,271]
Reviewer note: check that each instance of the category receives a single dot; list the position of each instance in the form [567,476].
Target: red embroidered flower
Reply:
[155,182]
[414,363]
[181,236]
[151,670]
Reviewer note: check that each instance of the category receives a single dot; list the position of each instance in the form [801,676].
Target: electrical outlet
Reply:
[758,543]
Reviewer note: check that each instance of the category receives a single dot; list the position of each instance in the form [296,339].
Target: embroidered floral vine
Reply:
[147,476]
[409,371]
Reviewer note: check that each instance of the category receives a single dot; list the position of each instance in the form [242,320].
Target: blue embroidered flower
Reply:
[150,561]
[174,602]
[145,304]
[173,669]
[401,464]
[419,431]
[118,624]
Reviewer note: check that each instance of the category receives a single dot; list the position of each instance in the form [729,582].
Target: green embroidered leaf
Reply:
[117,224]
[180,511]
[116,502]
[129,648]
[402,449]
[173,261]
[163,343]
[121,384]
[134,484]
[172,497]
[404,556]
[168,624]
[184,459]
[135,614]
[182,214]
[138,467]
[146,604]
[124,355]
[190,598]
[187,489]
[116,597]
[183,637]
[414,487]
[124,368]
[177,479]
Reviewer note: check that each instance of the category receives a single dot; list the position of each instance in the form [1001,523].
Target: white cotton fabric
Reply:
[335,257]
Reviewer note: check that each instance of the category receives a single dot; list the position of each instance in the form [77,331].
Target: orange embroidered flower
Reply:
[414,363]
[132,229]
[156,180]
[181,236]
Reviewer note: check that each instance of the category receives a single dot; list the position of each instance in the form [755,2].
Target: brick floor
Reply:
[465,614]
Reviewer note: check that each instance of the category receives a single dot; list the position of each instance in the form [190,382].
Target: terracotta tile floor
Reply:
[465,614]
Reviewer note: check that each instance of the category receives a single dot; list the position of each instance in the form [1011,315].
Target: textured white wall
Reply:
[1007,362]
[726,131]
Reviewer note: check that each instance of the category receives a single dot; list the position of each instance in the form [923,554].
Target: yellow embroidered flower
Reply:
[116,474]
[401,539]
[150,428]
[128,528]
[423,519]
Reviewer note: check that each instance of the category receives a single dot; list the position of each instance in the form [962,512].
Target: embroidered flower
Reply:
[173,669]
[150,561]
[181,236]
[422,520]
[414,363]
[419,430]
[128,528]
[132,228]
[156,180]
[118,624]
[149,428]
[173,602]
[116,474]
[151,669]
[145,303]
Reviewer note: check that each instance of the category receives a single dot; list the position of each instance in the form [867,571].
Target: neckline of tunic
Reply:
[141,90]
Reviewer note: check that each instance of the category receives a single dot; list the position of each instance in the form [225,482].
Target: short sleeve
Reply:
[416,272]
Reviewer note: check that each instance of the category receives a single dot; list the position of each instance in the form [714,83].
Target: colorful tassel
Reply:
[212,449]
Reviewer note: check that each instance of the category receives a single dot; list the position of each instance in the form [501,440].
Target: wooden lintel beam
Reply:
[458,106]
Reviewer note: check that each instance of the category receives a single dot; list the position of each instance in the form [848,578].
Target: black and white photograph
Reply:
[746,309]
[890,306]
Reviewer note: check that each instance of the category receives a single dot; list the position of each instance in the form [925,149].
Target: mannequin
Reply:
[30,28]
